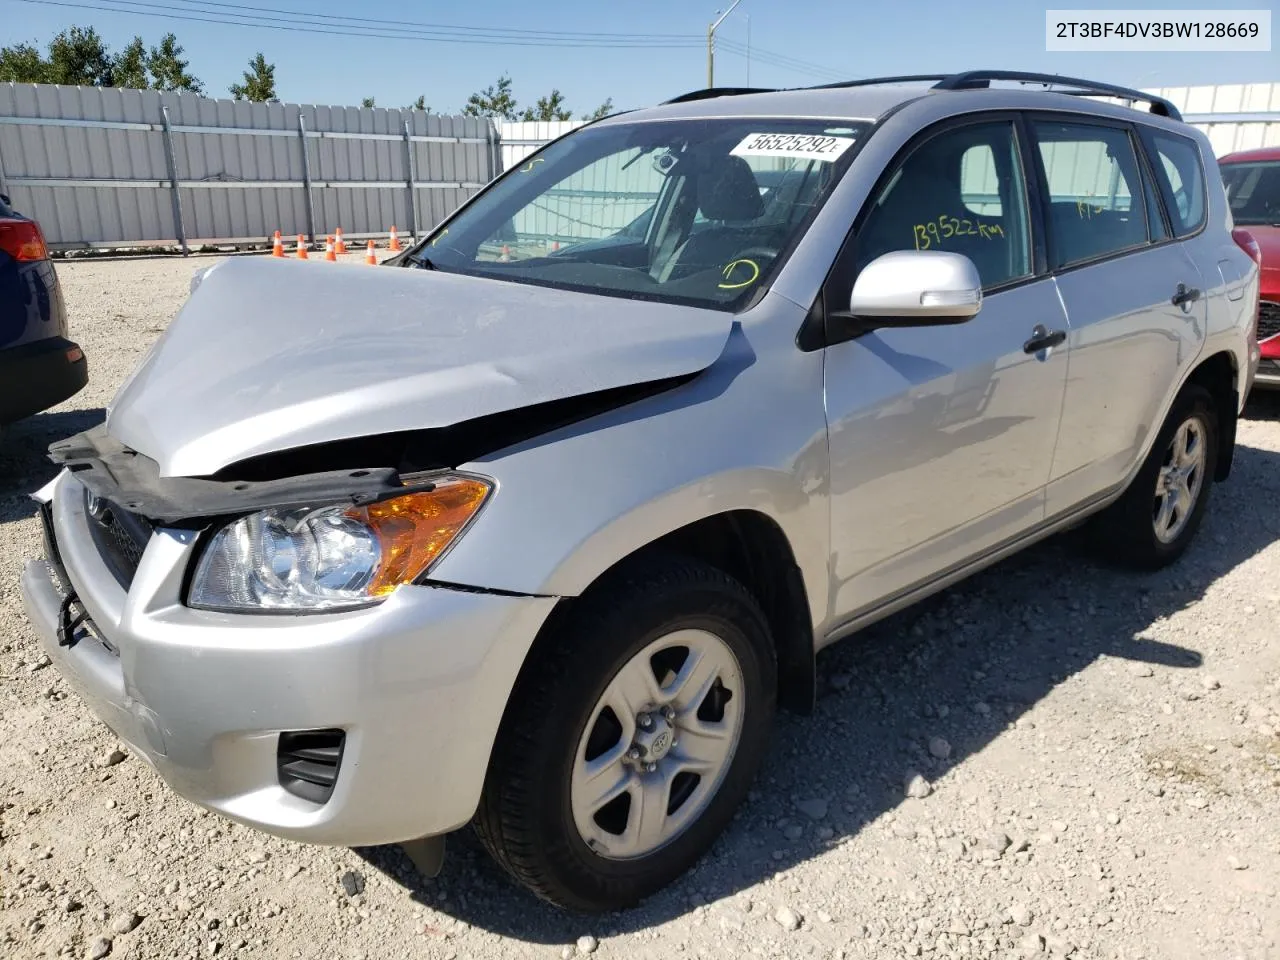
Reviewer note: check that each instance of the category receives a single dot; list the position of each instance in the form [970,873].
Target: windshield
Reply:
[1253,192]
[700,212]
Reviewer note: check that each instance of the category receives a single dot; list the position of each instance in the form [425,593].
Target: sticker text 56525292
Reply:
[797,145]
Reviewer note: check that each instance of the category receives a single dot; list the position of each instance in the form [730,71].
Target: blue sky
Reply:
[821,39]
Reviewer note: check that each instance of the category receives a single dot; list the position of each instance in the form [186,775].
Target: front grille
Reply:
[1268,319]
[307,762]
[120,536]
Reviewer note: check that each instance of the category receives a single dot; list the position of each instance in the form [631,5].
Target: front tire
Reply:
[1155,521]
[632,736]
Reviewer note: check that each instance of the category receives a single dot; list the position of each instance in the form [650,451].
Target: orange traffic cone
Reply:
[506,254]
[276,236]
[302,248]
[394,245]
[338,246]
[328,249]
[369,256]
[277,247]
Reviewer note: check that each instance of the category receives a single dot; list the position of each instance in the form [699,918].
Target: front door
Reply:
[942,437]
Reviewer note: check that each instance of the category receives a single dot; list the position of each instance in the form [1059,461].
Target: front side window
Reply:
[1095,190]
[1253,192]
[962,191]
[1181,180]
[684,211]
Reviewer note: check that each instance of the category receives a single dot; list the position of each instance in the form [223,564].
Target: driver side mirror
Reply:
[916,288]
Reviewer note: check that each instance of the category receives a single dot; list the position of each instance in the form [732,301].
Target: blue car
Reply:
[39,366]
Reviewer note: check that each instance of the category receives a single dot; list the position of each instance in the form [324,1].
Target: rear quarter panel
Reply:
[31,306]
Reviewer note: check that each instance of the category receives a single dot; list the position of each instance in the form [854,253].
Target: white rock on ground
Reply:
[1044,640]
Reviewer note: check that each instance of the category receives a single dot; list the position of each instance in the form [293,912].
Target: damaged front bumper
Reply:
[413,689]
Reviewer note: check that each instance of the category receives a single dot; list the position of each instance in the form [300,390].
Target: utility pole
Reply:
[711,45]
[748,16]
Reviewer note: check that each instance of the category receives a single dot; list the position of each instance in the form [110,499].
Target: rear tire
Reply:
[1155,521]
[562,746]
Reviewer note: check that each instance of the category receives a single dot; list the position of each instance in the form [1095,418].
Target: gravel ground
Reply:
[1052,759]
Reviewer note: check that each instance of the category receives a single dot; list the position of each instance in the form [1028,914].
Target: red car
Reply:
[1252,178]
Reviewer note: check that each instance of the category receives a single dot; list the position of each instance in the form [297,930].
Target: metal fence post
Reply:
[4,184]
[171,161]
[411,178]
[306,179]
[492,135]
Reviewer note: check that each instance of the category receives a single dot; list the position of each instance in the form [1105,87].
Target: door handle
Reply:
[1184,295]
[1043,338]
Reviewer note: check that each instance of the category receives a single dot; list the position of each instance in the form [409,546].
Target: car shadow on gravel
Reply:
[24,462]
[964,665]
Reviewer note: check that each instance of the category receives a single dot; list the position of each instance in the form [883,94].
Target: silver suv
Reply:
[536,528]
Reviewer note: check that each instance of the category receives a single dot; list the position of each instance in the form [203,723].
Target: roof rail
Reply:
[966,80]
[711,92]
[877,81]
[974,79]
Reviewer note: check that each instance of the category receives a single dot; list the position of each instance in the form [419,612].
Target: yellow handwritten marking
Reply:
[437,239]
[529,167]
[755,275]
[928,235]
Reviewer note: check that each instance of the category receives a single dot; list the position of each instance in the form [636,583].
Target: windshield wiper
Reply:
[422,263]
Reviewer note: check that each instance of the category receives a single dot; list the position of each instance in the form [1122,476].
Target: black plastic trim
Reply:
[710,93]
[113,472]
[308,762]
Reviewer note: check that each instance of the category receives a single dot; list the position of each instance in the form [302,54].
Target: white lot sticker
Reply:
[799,145]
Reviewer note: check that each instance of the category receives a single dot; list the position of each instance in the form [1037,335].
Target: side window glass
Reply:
[1181,180]
[1096,202]
[961,191]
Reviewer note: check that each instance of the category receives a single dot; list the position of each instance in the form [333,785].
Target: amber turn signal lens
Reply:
[414,529]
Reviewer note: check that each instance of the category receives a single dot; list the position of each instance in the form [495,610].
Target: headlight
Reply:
[328,558]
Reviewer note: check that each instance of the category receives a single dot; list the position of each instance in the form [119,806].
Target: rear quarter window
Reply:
[1180,177]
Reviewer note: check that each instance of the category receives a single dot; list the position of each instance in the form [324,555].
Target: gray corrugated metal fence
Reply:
[114,167]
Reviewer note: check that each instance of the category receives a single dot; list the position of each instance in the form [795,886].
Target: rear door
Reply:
[1134,300]
[941,438]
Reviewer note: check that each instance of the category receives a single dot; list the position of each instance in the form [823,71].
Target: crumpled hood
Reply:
[269,355]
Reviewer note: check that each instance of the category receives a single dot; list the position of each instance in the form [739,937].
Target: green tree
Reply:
[550,107]
[78,57]
[367,102]
[601,111]
[495,101]
[167,68]
[129,66]
[259,82]
[420,103]
[22,63]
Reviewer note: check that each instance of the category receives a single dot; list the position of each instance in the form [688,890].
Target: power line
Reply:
[308,16]
[377,33]
[783,61]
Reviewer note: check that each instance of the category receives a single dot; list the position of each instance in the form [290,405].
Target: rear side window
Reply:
[1181,177]
[961,191]
[1095,191]
[5,211]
